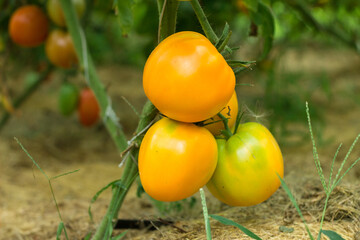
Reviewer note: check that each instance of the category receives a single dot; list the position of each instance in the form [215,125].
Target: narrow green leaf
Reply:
[252,4]
[332,166]
[59,230]
[337,179]
[293,201]
[264,18]
[64,174]
[95,197]
[229,222]
[88,236]
[118,237]
[32,159]
[315,153]
[332,235]
[125,15]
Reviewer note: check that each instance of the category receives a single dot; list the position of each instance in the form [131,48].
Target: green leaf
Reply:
[252,4]
[94,198]
[125,15]
[118,237]
[229,222]
[293,201]
[59,230]
[332,235]
[264,18]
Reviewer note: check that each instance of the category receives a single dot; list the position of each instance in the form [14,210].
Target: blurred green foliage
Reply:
[328,23]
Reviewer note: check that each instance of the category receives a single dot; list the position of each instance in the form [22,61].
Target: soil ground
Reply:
[60,144]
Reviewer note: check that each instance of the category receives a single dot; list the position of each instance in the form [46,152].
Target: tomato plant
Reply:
[88,108]
[187,79]
[68,98]
[28,26]
[60,50]
[176,159]
[56,13]
[247,165]
[230,111]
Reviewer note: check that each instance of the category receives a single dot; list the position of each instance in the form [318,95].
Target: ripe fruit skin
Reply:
[60,50]
[176,159]
[247,165]
[88,108]
[28,26]
[68,98]
[187,79]
[231,108]
[56,13]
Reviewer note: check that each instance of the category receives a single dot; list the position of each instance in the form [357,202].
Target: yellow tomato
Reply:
[176,159]
[187,79]
[215,125]
[56,13]
[247,166]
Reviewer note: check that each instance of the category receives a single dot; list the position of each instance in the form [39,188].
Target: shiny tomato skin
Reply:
[88,108]
[56,13]
[28,26]
[187,79]
[176,159]
[59,49]
[230,111]
[247,165]
[68,99]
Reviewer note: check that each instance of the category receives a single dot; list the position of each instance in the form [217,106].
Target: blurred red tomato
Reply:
[88,108]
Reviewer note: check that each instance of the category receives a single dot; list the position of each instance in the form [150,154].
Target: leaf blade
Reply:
[229,222]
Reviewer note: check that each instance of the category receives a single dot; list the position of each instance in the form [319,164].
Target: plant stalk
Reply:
[209,32]
[206,214]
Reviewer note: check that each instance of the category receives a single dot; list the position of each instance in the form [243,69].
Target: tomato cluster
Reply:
[190,82]
[29,27]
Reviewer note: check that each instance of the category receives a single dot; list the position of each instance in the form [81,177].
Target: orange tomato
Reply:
[56,13]
[176,159]
[215,124]
[60,49]
[187,79]
[88,108]
[28,26]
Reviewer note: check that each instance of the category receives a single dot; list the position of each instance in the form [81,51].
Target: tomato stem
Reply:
[167,18]
[209,32]
[227,132]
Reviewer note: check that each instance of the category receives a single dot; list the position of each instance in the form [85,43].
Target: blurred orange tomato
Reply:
[60,49]
[28,26]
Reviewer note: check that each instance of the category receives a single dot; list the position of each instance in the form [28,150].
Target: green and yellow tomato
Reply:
[248,164]
[187,79]
[68,98]
[176,159]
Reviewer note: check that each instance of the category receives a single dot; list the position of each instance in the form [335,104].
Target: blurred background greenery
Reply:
[299,25]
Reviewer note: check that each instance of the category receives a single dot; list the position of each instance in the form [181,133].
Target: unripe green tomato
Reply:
[56,13]
[68,98]
[247,168]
